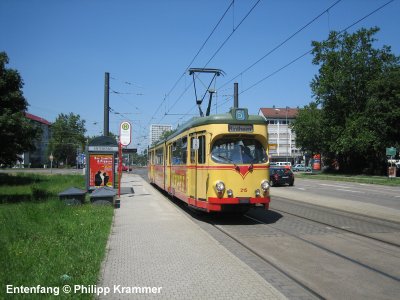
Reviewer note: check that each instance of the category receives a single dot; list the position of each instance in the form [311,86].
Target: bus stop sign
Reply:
[125,133]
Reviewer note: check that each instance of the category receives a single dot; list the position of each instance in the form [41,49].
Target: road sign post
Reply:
[125,137]
[391,170]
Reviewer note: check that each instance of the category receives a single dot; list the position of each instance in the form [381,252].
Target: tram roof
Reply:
[216,119]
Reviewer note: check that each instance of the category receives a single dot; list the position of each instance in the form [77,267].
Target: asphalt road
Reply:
[388,196]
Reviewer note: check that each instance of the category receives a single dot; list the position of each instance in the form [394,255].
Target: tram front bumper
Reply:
[215,203]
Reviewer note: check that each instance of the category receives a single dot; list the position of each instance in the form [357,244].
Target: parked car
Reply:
[287,164]
[301,167]
[281,176]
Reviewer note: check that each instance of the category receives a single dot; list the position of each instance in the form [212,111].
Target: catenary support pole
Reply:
[235,95]
[106,103]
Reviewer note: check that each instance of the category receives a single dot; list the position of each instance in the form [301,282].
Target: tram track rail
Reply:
[266,260]
[295,287]
[344,229]
[334,252]
[317,293]
[386,226]
[297,279]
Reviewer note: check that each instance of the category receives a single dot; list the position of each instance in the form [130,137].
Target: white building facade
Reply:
[156,130]
[281,138]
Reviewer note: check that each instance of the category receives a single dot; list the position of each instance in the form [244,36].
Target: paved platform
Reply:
[156,252]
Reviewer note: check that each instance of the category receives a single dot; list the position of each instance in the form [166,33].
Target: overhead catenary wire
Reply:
[309,51]
[282,43]
[193,59]
[306,53]
[275,48]
[212,57]
[230,35]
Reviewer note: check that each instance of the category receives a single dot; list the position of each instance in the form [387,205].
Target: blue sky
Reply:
[63,48]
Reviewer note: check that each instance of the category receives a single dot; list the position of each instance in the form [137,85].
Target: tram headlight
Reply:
[265,185]
[220,186]
[229,192]
[258,193]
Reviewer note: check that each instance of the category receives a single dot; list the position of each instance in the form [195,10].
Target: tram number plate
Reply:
[240,128]
[244,200]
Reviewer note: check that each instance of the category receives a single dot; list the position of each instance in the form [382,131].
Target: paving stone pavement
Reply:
[154,245]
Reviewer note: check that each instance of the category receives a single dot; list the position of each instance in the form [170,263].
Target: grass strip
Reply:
[352,178]
[45,242]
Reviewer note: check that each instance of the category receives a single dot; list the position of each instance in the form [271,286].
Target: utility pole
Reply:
[236,95]
[106,103]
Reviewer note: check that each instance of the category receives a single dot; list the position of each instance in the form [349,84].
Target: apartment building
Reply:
[281,138]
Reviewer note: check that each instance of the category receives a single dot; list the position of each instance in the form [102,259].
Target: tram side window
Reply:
[177,152]
[201,158]
[192,152]
[184,151]
[159,156]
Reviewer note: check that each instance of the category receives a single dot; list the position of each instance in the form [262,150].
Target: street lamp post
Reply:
[51,157]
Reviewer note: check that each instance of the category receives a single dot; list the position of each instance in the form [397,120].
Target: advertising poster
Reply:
[101,170]
[316,162]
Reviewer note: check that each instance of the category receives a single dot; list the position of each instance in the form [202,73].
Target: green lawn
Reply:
[45,242]
[382,180]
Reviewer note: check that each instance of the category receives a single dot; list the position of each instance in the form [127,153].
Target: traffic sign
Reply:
[391,151]
[125,133]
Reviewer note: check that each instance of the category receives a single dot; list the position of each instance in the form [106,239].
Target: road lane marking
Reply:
[335,185]
[351,191]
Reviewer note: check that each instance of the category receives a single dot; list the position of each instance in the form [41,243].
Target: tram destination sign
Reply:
[240,128]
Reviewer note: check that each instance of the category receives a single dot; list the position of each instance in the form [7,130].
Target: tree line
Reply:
[355,114]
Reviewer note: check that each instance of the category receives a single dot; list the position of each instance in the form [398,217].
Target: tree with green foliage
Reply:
[139,159]
[307,127]
[68,136]
[17,133]
[357,92]
[110,134]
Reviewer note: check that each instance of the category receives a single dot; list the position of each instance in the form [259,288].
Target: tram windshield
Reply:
[238,151]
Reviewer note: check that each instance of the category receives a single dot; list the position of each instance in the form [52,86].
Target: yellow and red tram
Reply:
[215,163]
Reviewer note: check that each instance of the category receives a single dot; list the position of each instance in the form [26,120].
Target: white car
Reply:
[301,167]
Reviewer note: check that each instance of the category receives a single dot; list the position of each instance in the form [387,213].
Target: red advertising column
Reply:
[316,162]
